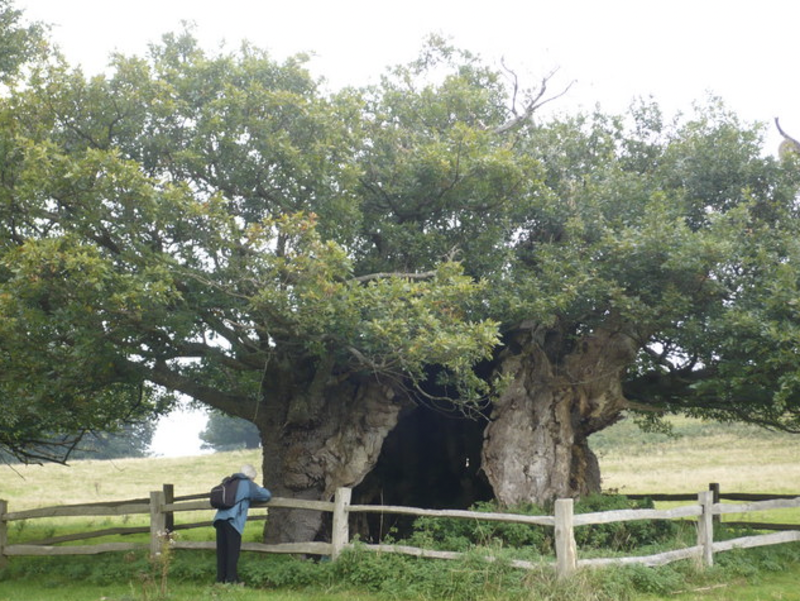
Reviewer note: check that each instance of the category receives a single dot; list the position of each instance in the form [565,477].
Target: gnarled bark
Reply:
[535,447]
[335,443]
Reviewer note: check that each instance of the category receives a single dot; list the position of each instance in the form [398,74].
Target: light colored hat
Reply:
[249,471]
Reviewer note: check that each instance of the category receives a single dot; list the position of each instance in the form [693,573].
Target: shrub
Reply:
[460,534]
[621,536]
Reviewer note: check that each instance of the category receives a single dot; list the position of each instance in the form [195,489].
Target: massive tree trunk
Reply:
[317,438]
[535,447]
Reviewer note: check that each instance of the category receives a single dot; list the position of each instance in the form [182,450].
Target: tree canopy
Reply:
[19,43]
[223,227]
[679,232]
[182,224]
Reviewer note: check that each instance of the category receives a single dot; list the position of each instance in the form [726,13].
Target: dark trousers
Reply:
[229,544]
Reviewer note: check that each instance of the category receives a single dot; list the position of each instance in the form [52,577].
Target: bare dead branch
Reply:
[515,79]
[535,103]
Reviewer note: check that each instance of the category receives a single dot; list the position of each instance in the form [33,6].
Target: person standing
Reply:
[229,524]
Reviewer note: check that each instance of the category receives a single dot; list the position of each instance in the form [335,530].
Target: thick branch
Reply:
[162,375]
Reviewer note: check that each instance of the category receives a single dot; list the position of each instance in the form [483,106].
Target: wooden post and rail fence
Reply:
[704,508]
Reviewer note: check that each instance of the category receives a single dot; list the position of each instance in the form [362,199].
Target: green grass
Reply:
[780,583]
[779,586]
[33,591]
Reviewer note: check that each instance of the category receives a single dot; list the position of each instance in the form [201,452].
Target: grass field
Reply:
[87,481]
[741,459]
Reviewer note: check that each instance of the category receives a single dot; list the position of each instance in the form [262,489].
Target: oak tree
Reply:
[182,226]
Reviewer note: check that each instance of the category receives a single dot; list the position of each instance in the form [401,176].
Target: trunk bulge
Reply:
[535,447]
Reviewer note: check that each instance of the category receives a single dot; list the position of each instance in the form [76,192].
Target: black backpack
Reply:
[223,495]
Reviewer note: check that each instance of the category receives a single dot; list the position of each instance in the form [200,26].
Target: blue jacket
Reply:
[248,491]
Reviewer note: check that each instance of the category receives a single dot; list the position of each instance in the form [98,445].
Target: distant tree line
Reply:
[226,433]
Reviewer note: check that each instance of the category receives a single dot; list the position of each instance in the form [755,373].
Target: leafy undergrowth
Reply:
[537,541]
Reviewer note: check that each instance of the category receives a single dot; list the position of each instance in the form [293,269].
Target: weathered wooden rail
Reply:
[161,507]
[719,496]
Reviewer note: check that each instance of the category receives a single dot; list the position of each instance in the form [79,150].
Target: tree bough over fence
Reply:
[563,522]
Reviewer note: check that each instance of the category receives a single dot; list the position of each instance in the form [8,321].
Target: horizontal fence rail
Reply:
[705,509]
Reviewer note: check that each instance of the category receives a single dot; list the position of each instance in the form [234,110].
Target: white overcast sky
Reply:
[676,51]
[615,50]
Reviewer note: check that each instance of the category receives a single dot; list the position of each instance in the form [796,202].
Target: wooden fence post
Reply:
[3,533]
[157,521]
[341,516]
[169,497]
[566,550]
[714,488]
[705,527]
